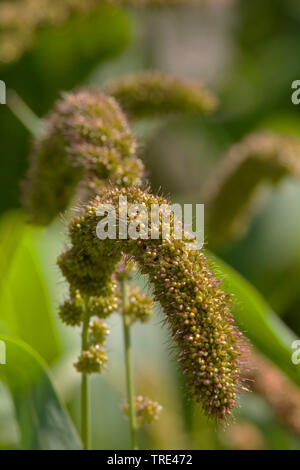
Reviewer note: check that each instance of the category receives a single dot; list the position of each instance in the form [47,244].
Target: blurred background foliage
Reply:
[247,53]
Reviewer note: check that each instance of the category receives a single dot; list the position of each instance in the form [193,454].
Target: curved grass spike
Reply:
[153,93]
[86,142]
[196,309]
[232,195]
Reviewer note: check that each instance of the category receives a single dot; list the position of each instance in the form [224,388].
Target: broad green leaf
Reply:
[25,308]
[259,323]
[11,229]
[42,419]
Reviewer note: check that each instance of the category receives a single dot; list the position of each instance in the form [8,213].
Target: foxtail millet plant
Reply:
[233,193]
[87,146]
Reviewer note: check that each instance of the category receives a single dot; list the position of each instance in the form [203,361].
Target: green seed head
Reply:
[139,308]
[86,144]
[147,411]
[234,192]
[152,93]
[70,313]
[98,332]
[92,360]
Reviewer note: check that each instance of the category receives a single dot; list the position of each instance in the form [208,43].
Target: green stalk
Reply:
[85,411]
[128,366]
[25,115]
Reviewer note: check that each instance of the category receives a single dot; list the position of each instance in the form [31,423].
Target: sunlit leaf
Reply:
[11,225]
[42,419]
[25,309]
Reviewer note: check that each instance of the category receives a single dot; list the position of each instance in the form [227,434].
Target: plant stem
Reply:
[85,412]
[25,115]
[128,365]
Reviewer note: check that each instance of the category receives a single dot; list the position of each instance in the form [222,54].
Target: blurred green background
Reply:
[247,53]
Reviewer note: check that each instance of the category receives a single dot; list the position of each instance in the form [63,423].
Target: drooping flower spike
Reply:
[196,309]
[233,193]
[86,143]
[153,93]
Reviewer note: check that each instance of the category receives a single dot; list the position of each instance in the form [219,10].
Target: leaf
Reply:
[42,419]
[25,309]
[11,225]
[255,318]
